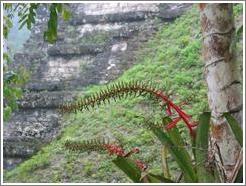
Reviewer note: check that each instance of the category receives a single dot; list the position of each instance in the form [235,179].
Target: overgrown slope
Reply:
[171,60]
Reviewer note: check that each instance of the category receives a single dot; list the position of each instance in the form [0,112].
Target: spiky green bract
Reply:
[115,91]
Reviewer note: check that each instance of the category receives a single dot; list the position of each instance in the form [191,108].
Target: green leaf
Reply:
[6,92]
[5,32]
[23,18]
[158,179]
[22,24]
[239,178]
[7,6]
[27,16]
[235,127]
[7,58]
[29,24]
[51,34]
[203,131]
[129,167]
[173,133]
[7,113]
[10,76]
[35,5]
[25,10]
[66,15]
[18,92]
[32,18]
[7,25]
[177,139]
[201,152]
[9,22]
[59,7]
[184,163]
[239,30]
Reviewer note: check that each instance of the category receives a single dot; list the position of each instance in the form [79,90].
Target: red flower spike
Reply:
[117,150]
[182,115]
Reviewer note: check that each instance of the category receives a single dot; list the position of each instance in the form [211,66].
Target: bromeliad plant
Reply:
[200,166]
[121,90]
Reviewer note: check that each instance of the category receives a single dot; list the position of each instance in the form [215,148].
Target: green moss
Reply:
[96,38]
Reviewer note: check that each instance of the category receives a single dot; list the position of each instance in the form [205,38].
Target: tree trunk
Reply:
[223,80]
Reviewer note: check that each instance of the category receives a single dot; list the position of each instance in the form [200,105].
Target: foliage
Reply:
[201,151]
[12,89]
[14,80]
[238,9]
[203,170]
[159,60]
[180,154]
[129,167]
[121,90]
[235,127]
[51,34]
[27,17]
[6,26]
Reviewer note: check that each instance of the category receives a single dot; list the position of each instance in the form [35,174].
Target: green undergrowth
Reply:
[172,61]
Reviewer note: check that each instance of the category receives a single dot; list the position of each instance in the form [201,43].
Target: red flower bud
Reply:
[141,165]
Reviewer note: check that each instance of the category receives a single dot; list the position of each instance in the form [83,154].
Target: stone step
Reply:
[112,18]
[74,50]
[46,99]
[169,12]
[20,147]
[27,132]
[44,86]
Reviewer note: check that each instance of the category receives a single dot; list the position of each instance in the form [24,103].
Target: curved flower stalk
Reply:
[135,88]
[101,145]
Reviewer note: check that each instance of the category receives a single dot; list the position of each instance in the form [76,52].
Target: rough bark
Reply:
[222,76]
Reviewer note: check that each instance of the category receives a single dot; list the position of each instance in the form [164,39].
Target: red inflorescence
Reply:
[119,151]
[114,149]
[182,115]
[142,166]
